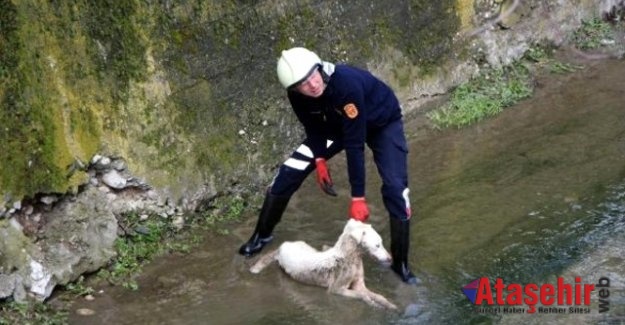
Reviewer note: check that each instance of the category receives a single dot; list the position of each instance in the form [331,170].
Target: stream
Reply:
[534,194]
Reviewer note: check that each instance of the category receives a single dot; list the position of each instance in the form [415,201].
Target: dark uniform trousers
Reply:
[389,148]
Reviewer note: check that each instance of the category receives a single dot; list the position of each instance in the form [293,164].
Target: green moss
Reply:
[32,155]
[116,25]
[428,40]
[8,40]
[65,69]
[286,29]
[228,30]
[46,124]
[465,11]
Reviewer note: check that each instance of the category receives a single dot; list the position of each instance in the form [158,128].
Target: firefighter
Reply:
[341,108]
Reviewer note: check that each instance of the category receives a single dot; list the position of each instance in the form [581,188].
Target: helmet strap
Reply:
[324,75]
[315,67]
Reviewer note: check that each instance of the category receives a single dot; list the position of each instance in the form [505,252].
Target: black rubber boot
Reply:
[269,216]
[400,242]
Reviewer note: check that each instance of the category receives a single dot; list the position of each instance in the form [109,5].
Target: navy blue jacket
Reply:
[354,104]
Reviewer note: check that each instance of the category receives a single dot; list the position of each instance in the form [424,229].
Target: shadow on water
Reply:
[533,194]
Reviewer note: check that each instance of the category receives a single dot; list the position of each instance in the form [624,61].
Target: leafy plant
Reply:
[484,96]
[536,54]
[591,34]
[560,67]
[148,237]
[78,288]
[225,209]
[31,313]
[144,239]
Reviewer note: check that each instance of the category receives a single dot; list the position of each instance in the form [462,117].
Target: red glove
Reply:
[323,177]
[358,209]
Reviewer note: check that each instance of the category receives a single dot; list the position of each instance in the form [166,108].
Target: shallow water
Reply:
[533,194]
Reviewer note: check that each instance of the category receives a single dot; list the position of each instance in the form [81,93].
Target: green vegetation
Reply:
[34,154]
[143,240]
[484,96]
[31,314]
[541,56]
[117,26]
[428,34]
[146,238]
[227,209]
[592,34]
[63,67]
[495,89]
[78,288]
[562,68]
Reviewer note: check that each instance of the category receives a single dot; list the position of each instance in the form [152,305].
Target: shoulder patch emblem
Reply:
[350,110]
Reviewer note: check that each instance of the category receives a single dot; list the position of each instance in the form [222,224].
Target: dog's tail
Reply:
[264,261]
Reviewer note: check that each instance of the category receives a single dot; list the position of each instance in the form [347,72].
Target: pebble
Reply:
[48,199]
[85,311]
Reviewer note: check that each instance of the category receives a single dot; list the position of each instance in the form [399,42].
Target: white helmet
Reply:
[295,65]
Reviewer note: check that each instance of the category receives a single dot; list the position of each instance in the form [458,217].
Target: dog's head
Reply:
[368,239]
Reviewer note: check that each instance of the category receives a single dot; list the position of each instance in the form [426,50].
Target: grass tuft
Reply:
[484,96]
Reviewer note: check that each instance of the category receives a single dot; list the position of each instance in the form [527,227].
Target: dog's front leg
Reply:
[344,291]
[380,299]
[264,261]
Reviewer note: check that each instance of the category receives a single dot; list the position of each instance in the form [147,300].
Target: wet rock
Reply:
[178,222]
[40,277]
[100,162]
[118,164]
[77,236]
[95,159]
[28,210]
[19,294]
[79,239]
[152,195]
[7,285]
[16,224]
[114,180]
[48,199]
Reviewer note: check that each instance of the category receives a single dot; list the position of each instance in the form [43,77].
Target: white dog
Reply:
[338,268]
